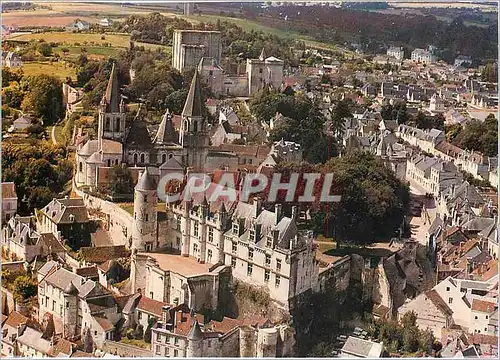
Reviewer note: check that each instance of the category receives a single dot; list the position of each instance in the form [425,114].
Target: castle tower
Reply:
[194,136]
[144,228]
[111,112]
[195,341]
[70,310]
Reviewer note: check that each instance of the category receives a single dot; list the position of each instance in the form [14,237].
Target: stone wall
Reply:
[125,350]
[8,302]
[120,221]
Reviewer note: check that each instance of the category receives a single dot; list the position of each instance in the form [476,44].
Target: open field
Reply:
[57,69]
[69,38]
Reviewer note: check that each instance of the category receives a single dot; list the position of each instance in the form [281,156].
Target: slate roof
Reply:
[61,211]
[89,148]
[112,94]
[146,182]
[362,348]
[195,332]
[166,133]
[194,102]
[138,134]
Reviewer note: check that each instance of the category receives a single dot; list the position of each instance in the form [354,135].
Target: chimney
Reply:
[277,212]
[178,319]
[295,212]
[165,314]
[257,206]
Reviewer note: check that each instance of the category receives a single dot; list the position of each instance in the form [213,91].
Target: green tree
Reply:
[12,96]
[44,48]
[489,73]
[120,181]
[175,101]
[24,287]
[340,113]
[373,201]
[9,75]
[44,98]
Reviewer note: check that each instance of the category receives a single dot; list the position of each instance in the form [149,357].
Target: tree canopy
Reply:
[44,97]
[479,136]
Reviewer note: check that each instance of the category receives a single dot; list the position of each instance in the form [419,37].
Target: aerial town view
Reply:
[251,179]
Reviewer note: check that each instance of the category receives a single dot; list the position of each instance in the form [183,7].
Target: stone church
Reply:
[135,146]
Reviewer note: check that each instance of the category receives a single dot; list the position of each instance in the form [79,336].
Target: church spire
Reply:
[166,131]
[194,104]
[112,94]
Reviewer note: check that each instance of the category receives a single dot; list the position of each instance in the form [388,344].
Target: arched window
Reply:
[135,158]
[142,158]
[109,162]
[116,161]
[163,158]
[195,126]
[108,124]
[117,125]
[80,167]
[186,125]
[170,156]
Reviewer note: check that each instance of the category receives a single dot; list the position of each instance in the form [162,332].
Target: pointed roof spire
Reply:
[112,94]
[166,132]
[263,55]
[145,182]
[195,333]
[194,103]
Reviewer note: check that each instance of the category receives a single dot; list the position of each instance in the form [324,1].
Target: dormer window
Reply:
[236,228]
[252,235]
[72,218]
[250,254]
[269,241]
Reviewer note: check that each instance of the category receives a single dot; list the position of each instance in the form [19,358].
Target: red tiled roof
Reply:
[151,306]
[105,324]
[483,339]
[483,306]
[15,319]
[62,347]
[90,271]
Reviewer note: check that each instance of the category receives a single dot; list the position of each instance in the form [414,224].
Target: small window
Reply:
[176,340]
[167,352]
[450,300]
[268,260]
[267,275]
[209,255]
[234,247]
[447,288]
[269,242]
[250,253]
[158,337]
[139,315]
[176,352]
[260,71]
[278,281]
[163,158]
[210,234]
[196,230]
[233,262]
[146,217]
[475,317]
[278,265]
[252,235]
[249,269]
[142,158]
[158,349]
[67,304]
[95,333]
[235,229]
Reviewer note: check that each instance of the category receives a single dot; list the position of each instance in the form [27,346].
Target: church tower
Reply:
[194,136]
[144,227]
[111,112]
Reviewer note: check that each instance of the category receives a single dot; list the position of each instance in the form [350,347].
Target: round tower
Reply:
[144,229]
[194,341]
[266,342]
[247,342]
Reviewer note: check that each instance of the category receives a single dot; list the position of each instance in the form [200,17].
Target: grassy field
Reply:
[57,69]
[83,39]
